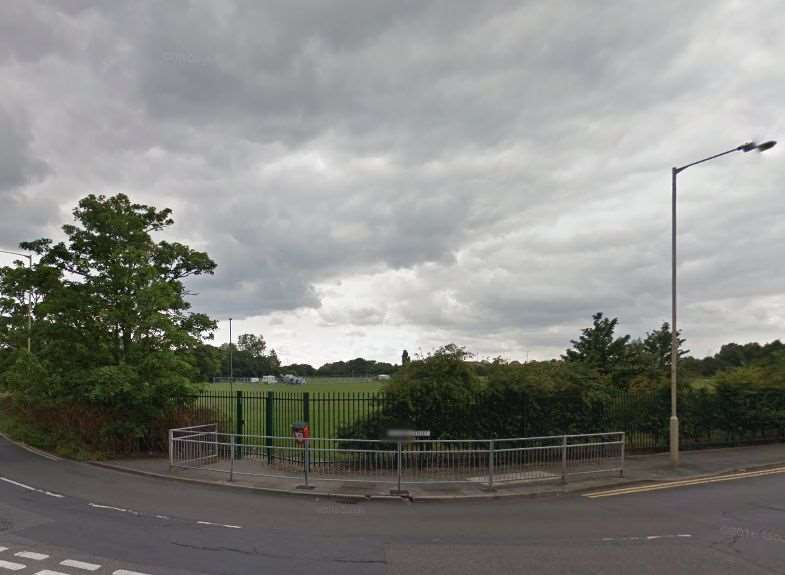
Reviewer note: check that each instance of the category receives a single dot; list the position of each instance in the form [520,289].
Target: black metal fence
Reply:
[706,420]
[272,413]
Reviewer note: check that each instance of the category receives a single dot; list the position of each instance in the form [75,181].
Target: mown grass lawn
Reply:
[312,385]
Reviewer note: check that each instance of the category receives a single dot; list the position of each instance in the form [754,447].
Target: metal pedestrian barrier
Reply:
[485,462]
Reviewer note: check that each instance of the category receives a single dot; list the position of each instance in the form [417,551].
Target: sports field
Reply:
[313,384]
[332,403]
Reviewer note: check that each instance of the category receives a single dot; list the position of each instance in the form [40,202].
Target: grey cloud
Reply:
[513,158]
[18,164]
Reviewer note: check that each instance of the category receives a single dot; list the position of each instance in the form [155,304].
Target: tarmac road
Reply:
[63,517]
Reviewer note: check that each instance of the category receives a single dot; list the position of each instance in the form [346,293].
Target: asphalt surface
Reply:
[61,516]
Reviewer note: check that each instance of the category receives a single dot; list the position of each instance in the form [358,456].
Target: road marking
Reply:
[647,537]
[11,566]
[219,525]
[124,572]
[23,486]
[684,483]
[31,555]
[97,506]
[80,565]
[3,549]
[49,572]
[110,508]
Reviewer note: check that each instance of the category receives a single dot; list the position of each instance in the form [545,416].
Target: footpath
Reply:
[638,470]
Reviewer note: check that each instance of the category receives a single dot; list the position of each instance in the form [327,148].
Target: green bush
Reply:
[437,393]
[442,394]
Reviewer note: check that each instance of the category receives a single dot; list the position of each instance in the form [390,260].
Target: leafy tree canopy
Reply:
[111,318]
[598,347]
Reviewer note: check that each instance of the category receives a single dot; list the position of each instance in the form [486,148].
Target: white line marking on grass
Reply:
[219,525]
[23,486]
[11,566]
[31,555]
[80,565]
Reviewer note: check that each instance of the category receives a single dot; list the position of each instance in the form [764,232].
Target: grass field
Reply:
[314,384]
[334,403]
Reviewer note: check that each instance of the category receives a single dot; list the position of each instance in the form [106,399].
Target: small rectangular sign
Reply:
[407,433]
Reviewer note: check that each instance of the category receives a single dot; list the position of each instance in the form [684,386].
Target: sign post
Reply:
[401,435]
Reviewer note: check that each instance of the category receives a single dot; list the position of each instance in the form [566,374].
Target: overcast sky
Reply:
[373,176]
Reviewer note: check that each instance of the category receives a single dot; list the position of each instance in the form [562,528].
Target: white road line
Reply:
[49,572]
[110,508]
[162,517]
[97,506]
[80,565]
[31,555]
[23,486]
[3,549]
[124,572]
[647,537]
[11,566]
[218,525]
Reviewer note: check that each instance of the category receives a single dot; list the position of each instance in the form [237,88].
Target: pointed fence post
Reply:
[268,425]
[238,421]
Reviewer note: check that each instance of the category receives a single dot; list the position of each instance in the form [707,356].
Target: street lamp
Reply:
[674,420]
[29,296]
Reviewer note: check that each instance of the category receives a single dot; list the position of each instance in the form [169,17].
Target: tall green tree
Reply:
[657,344]
[598,347]
[254,345]
[112,322]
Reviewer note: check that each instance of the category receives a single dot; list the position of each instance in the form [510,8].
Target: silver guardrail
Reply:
[487,462]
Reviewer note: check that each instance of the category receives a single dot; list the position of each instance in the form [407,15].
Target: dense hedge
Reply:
[442,394]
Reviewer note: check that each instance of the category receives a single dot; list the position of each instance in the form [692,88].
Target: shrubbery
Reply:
[441,393]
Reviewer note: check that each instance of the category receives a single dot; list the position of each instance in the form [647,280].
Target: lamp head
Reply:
[749,146]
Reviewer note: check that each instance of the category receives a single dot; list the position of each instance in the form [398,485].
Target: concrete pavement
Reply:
[638,469]
[134,523]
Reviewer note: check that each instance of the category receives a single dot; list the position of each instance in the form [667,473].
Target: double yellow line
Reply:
[684,483]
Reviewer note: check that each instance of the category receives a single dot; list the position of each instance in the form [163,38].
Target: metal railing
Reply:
[485,462]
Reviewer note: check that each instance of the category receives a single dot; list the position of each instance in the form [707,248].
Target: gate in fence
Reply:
[399,462]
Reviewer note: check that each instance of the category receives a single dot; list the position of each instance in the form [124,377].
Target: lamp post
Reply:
[29,296]
[231,359]
[674,420]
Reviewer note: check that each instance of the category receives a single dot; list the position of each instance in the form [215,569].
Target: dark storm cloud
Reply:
[501,169]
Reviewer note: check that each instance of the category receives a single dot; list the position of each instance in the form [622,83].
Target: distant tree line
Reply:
[250,357]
